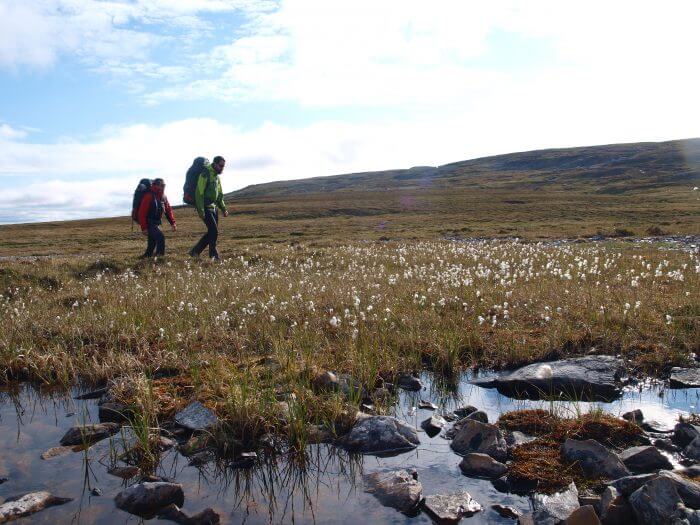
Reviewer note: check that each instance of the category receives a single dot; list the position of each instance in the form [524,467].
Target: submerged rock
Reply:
[482,466]
[173,513]
[145,499]
[380,434]
[55,452]
[655,502]
[685,377]
[196,417]
[506,511]
[450,508]
[29,504]
[584,378]
[552,509]
[87,434]
[644,459]
[409,382]
[595,460]
[127,472]
[399,489]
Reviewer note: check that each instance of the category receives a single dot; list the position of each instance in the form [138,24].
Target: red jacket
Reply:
[153,204]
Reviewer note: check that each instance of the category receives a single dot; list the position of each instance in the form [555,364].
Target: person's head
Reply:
[218,164]
[158,185]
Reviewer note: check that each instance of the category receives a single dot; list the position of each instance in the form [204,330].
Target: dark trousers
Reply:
[156,240]
[211,219]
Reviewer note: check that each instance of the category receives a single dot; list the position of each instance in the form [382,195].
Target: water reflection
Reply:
[322,486]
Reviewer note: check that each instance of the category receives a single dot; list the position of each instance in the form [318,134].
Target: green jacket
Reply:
[208,193]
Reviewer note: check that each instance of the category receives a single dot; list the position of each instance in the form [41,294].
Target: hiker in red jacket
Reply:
[150,213]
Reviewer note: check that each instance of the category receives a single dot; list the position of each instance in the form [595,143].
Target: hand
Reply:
[145,232]
[225,213]
[173,227]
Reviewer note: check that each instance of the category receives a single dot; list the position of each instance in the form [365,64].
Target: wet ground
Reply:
[328,489]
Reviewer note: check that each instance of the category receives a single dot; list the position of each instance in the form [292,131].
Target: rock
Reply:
[96,492]
[517,438]
[479,415]
[194,444]
[325,382]
[55,452]
[380,434]
[655,502]
[626,485]
[196,417]
[595,460]
[685,377]
[635,416]
[165,443]
[465,411]
[583,516]
[685,516]
[4,480]
[613,508]
[319,434]
[433,425]
[684,433]
[93,394]
[349,387]
[173,513]
[644,459]
[666,444]
[591,499]
[409,382]
[244,460]
[482,466]
[87,434]
[202,457]
[475,436]
[145,499]
[125,472]
[688,490]
[555,508]
[398,489]
[29,504]
[693,449]
[450,508]
[506,512]
[114,412]
[596,378]
[427,405]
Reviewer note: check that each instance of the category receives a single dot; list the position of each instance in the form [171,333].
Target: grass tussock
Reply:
[249,336]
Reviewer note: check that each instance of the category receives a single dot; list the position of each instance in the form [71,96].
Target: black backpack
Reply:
[198,166]
[141,190]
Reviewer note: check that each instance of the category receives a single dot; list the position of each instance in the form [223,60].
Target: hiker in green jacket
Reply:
[209,199]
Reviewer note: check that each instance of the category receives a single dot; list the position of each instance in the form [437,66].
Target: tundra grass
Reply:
[248,336]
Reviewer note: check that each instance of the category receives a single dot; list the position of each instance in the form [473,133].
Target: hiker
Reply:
[209,199]
[153,204]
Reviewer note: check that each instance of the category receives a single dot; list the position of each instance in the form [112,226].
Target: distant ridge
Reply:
[607,169]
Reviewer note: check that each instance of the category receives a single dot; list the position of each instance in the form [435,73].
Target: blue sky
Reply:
[95,94]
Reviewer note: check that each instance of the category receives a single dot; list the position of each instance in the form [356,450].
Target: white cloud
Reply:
[9,133]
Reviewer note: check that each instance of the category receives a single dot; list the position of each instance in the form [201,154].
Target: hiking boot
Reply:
[192,253]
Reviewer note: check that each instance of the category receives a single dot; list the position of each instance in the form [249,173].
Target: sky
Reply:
[96,94]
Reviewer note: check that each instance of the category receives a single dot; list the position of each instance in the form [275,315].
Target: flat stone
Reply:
[644,459]
[482,466]
[399,489]
[145,499]
[127,472]
[685,377]
[655,502]
[87,434]
[595,460]
[380,434]
[475,436]
[552,509]
[433,425]
[590,378]
[196,417]
[451,508]
[55,452]
[29,504]
[583,516]
[409,382]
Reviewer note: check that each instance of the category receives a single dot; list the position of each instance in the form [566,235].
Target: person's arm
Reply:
[199,192]
[220,197]
[169,212]
[143,211]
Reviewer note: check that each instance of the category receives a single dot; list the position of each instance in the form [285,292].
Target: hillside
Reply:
[626,189]
[610,169]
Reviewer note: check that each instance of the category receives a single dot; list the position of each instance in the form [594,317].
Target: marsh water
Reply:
[328,487]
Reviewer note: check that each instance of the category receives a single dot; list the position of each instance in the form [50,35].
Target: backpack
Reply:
[198,166]
[141,190]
